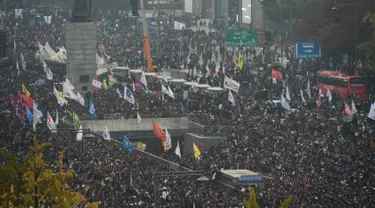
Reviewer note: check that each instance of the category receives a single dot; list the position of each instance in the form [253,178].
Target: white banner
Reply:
[179,25]
[231,84]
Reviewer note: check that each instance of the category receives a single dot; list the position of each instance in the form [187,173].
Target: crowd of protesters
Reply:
[311,152]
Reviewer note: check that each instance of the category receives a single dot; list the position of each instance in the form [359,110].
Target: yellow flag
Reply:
[197,153]
[25,91]
[62,96]
[240,61]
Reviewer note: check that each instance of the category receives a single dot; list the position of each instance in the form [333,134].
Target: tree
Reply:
[36,183]
[286,203]
[367,48]
[252,201]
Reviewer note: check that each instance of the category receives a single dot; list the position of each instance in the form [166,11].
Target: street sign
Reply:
[307,50]
[234,37]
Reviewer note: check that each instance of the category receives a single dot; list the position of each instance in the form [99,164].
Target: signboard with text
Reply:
[234,37]
[307,50]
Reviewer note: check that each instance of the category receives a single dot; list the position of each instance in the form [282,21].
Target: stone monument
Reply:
[81,47]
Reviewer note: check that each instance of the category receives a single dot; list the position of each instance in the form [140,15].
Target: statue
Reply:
[81,11]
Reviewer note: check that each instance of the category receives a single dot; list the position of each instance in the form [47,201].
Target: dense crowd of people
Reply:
[310,152]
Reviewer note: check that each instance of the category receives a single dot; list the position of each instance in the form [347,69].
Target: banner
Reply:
[231,84]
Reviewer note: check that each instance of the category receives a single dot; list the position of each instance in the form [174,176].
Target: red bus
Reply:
[342,84]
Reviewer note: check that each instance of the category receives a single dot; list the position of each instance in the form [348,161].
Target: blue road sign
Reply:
[307,50]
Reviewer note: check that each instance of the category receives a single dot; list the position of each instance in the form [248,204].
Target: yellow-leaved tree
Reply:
[252,201]
[35,183]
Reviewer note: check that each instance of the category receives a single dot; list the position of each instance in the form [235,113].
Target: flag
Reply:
[354,109]
[36,116]
[80,134]
[25,91]
[96,84]
[197,153]
[168,140]
[127,144]
[159,133]
[284,103]
[287,94]
[63,98]
[42,110]
[139,87]
[308,91]
[128,95]
[167,91]
[69,84]
[29,115]
[27,100]
[347,110]
[143,80]
[105,86]
[329,95]
[68,92]
[171,94]
[18,68]
[277,75]
[80,99]
[76,121]
[92,109]
[321,93]
[240,61]
[119,93]
[106,134]
[47,70]
[231,84]
[231,98]
[60,100]
[50,123]
[177,151]
[139,119]
[23,62]
[371,113]
[57,117]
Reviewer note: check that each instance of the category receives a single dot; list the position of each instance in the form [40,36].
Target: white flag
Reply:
[308,91]
[119,93]
[143,80]
[287,96]
[371,113]
[169,140]
[329,95]
[177,151]
[50,123]
[18,68]
[106,134]
[186,94]
[47,70]
[128,96]
[354,109]
[139,119]
[69,84]
[36,116]
[80,134]
[167,91]
[23,62]
[57,117]
[80,99]
[303,98]
[171,94]
[231,98]
[68,92]
[231,84]
[97,84]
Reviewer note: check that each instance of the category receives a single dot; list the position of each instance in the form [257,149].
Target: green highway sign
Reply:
[236,38]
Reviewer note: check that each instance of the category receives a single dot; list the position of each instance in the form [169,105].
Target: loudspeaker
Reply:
[2,44]
[134,5]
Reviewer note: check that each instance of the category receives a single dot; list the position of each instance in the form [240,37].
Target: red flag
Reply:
[159,133]
[347,110]
[277,75]
[28,100]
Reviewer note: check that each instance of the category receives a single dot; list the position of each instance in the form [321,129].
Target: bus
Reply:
[342,84]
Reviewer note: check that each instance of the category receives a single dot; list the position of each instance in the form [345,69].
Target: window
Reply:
[84,78]
[84,88]
[333,81]
[357,81]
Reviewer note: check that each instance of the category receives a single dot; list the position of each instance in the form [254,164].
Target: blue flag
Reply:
[92,109]
[29,115]
[42,109]
[127,144]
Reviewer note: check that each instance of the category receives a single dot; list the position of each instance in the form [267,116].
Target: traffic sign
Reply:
[307,50]
[234,37]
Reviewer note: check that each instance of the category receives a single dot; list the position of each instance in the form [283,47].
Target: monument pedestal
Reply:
[81,54]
